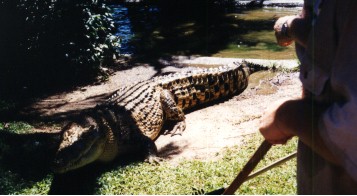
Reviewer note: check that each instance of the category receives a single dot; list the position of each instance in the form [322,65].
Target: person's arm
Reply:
[294,28]
[297,118]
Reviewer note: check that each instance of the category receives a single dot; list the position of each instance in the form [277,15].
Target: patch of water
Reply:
[260,82]
[124,28]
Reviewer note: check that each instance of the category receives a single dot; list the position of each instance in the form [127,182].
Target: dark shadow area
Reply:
[170,150]
[78,182]
[70,110]
[29,154]
[26,111]
[25,158]
[30,157]
[50,46]
[23,109]
[167,28]
[84,180]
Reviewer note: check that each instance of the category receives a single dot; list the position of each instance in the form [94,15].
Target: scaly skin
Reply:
[131,120]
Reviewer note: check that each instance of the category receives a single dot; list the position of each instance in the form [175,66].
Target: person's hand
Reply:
[272,128]
[282,30]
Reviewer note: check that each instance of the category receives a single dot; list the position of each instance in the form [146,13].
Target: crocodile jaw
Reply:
[80,146]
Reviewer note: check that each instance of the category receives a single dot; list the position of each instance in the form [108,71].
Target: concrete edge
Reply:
[212,61]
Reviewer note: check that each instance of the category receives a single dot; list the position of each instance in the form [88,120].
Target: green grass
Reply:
[187,177]
[16,127]
[190,176]
[12,178]
[13,183]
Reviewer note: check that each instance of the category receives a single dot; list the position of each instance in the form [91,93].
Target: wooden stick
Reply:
[275,164]
[248,168]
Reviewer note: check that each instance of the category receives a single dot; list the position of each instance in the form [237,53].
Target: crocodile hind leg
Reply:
[173,113]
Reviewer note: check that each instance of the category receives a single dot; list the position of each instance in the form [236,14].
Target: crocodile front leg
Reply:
[172,112]
[150,149]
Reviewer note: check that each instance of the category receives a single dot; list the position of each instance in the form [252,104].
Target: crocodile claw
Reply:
[178,129]
[154,160]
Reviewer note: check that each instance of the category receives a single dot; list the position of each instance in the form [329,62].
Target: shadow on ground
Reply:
[27,159]
[84,180]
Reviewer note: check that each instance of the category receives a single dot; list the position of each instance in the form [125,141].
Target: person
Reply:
[325,118]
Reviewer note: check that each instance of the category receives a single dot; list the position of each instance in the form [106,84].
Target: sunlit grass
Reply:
[205,176]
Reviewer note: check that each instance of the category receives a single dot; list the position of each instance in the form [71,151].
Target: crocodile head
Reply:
[80,145]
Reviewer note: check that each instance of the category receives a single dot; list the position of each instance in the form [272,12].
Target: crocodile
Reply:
[132,118]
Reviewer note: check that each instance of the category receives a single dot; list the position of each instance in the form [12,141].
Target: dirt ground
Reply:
[208,130]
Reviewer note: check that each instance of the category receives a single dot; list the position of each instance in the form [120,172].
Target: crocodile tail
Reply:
[253,67]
